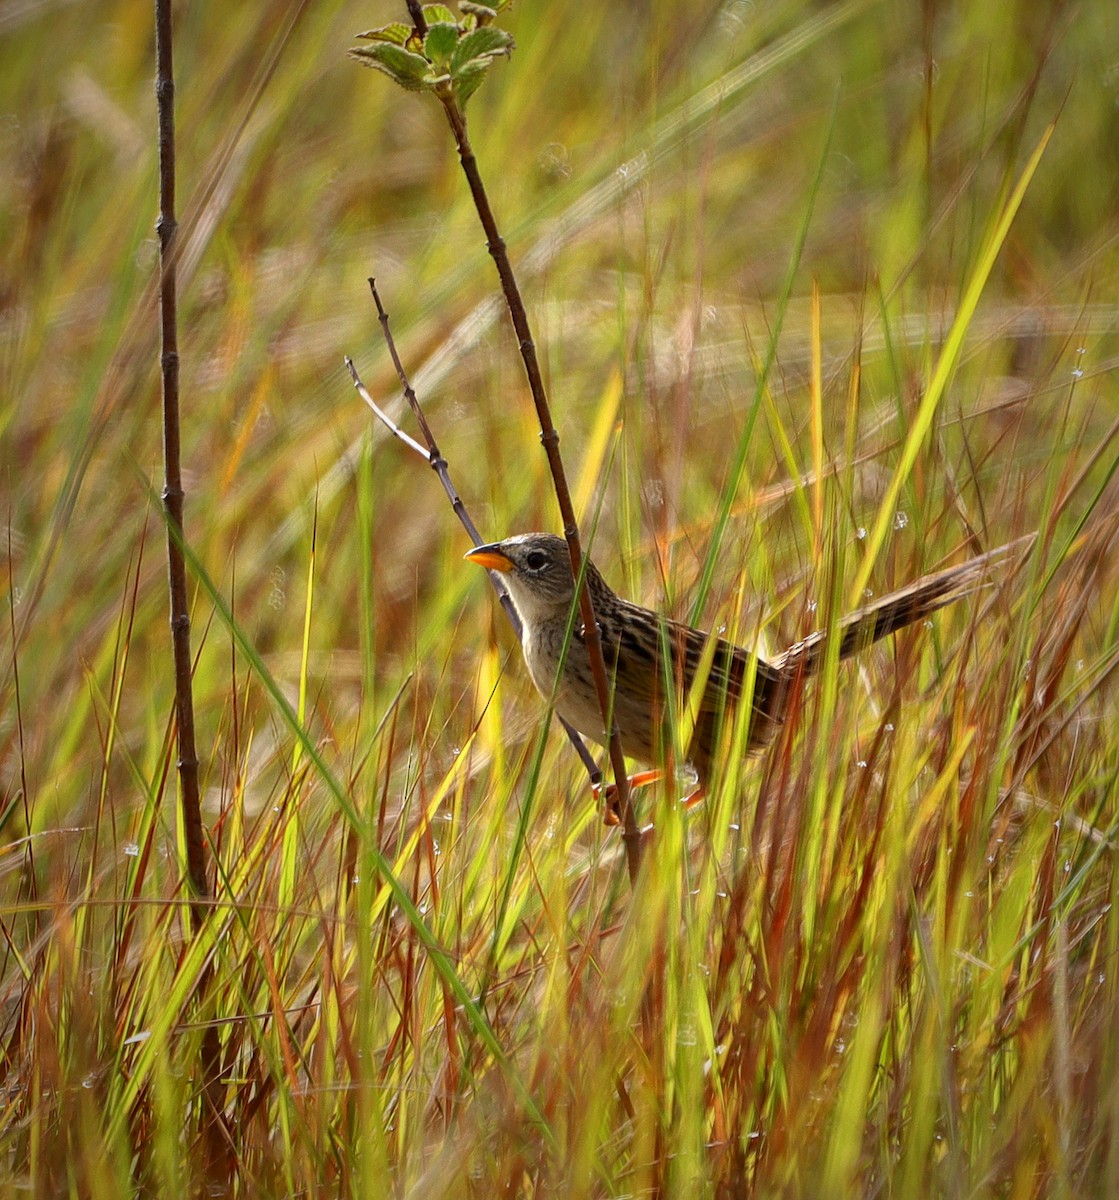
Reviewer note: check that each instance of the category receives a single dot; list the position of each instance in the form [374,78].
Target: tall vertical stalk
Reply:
[167,227]
[549,437]
[212,1126]
[448,60]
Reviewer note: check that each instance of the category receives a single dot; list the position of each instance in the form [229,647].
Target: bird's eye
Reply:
[536,560]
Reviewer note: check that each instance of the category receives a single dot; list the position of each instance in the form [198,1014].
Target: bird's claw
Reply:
[608,795]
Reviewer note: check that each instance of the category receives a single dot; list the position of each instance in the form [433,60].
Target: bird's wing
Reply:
[636,656]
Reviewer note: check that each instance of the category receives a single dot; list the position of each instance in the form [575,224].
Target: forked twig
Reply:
[448,60]
[434,458]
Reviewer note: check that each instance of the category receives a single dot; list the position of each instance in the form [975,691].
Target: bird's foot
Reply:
[611,814]
[694,797]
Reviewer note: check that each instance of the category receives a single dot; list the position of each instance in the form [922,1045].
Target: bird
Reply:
[536,569]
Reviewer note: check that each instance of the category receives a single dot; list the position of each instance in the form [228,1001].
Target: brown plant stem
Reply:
[439,465]
[416,12]
[167,228]
[213,1133]
[549,437]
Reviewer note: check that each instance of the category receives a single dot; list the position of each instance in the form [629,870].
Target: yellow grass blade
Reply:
[945,366]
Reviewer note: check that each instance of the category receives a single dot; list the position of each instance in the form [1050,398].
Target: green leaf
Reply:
[411,71]
[467,81]
[439,14]
[483,12]
[439,45]
[397,33]
[486,42]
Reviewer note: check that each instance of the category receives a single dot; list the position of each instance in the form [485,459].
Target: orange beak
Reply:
[490,557]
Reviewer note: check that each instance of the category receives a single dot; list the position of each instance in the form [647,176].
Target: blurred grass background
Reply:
[652,166]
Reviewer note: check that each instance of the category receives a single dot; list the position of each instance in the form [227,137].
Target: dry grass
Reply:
[881,959]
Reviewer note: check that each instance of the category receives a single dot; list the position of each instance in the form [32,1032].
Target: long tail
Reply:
[901,608]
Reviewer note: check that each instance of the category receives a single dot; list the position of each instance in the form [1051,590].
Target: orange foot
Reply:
[692,799]
[611,814]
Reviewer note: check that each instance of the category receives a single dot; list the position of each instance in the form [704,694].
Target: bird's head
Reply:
[536,568]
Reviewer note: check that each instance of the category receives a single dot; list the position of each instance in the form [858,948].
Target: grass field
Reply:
[825,296]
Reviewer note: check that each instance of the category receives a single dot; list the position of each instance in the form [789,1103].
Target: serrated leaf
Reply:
[411,71]
[469,79]
[368,61]
[438,14]
[397,33]
[439,44]
[483,12]
[486,42]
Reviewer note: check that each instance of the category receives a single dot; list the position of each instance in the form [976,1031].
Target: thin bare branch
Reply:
[549,437]
[438,463]
[214,1135]
[167,227]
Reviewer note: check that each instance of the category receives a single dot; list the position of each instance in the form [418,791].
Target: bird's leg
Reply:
[641,779]
[611,815]
[609,794]
[696,796]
